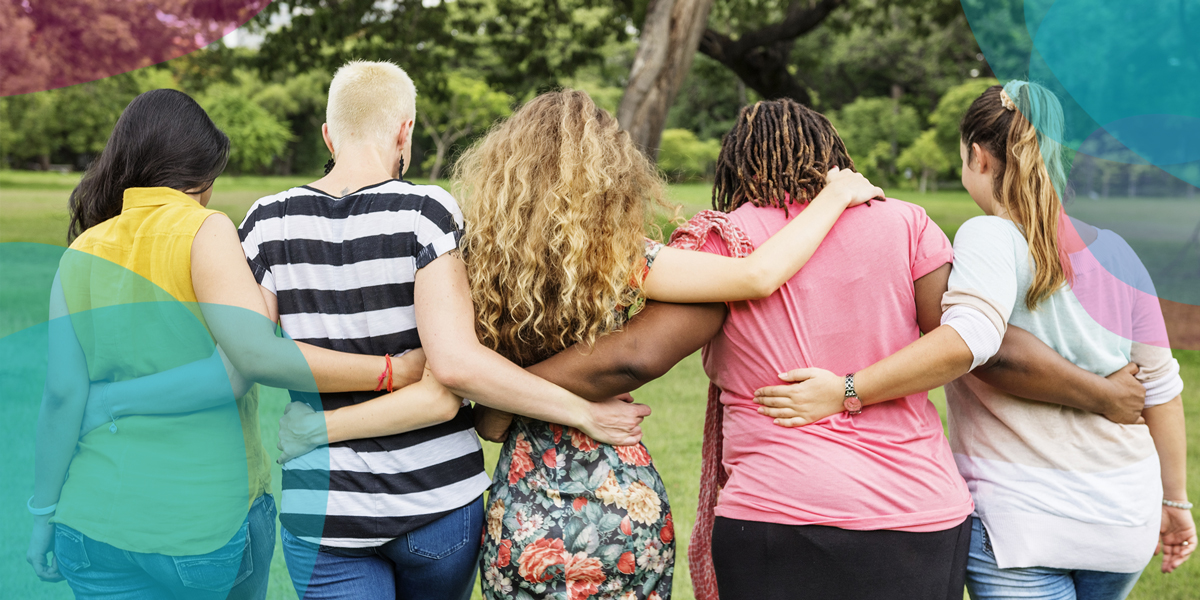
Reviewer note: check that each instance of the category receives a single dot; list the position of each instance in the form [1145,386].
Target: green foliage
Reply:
[709,100]
[255,135]
[529,46]
[925,158]
[950,110]
[871,128]
[685,157]
[470,106]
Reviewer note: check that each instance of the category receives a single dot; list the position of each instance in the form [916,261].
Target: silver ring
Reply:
[1187,543]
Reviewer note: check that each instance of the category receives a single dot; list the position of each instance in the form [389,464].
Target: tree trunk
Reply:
[669,39]
[438,159]
[761,58]
[924,180]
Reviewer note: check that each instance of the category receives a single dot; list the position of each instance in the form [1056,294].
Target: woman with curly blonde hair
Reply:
[557,202]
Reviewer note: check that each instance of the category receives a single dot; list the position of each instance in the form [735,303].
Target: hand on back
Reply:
[616,421]
[813,395]
[850,186]
[1127,397]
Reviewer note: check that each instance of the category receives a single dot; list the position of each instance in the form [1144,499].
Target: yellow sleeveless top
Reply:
[176,484]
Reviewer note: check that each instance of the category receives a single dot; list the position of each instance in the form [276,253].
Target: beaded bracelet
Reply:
[1174,504]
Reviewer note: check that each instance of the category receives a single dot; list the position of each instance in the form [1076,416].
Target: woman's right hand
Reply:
[850,187]
[615,421]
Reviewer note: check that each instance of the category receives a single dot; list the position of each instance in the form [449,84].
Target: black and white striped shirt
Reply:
[343,271]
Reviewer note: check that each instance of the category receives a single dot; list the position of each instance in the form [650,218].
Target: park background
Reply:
[894,76]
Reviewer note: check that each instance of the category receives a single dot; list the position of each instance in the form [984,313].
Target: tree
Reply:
[256,136]
[48,45]
[925,156]
[761,56]
[670,36]
[950,110]
[684,157]
[872,128]
[471,106]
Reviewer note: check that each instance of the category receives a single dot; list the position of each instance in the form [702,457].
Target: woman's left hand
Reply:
[96,412]
[813,395]
[1177,538]
[301,429]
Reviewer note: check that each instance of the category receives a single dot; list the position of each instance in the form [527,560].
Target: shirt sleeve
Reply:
[252,244]
[930,249]
[985,270]
[1150,349]
[439,225]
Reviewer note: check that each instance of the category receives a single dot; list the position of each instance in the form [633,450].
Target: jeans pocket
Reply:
[221,569]
[69,552]
[442,537]
[987,542]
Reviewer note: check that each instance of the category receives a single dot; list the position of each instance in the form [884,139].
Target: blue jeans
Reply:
[987,581]
[435,562]
[239,569]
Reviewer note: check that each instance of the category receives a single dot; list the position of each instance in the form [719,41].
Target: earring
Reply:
[329,165]
[400,173]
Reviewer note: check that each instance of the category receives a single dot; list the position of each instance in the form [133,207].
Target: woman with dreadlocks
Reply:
[802,508]
[556,202]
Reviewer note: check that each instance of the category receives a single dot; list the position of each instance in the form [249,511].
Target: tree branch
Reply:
[797,22]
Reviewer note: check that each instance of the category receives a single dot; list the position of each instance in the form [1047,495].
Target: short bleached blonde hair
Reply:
[368,101]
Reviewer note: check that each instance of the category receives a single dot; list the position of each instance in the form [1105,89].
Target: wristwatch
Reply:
[852,404]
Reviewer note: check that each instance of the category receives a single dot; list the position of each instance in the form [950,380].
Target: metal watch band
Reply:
[851,404]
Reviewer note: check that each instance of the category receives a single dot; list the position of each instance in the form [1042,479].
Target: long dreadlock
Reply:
[779,151]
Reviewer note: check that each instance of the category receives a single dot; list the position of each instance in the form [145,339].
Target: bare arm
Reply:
[446,321]
[416,406]
[1168,428]
[63,400]
[57,430]
[1028,368]
[687,277]
[655,340]
[214,381]
[237,315]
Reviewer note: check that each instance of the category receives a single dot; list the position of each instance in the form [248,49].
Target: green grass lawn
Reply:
[33,209]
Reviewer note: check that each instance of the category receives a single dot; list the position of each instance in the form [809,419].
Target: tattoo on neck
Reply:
[345,191]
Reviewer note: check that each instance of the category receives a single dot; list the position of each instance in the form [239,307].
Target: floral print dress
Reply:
[570,518]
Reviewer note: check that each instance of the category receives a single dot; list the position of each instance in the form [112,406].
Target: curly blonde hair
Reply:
[556,201]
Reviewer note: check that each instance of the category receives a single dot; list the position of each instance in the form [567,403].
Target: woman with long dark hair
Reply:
[171,498]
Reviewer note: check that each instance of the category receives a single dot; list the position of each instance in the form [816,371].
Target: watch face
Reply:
[852,405]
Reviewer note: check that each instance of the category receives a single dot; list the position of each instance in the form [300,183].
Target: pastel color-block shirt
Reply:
[852,304]
[1056,486]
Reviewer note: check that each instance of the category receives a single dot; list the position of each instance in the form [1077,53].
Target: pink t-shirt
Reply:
[853,304]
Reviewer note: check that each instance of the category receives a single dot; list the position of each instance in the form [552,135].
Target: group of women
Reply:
[1063,473]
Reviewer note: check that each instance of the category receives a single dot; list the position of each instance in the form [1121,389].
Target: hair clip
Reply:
[1006,101]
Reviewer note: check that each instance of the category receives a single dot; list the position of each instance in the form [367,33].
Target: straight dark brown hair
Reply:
[162,139]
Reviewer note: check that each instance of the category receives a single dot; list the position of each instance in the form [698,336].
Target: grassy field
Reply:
[33,209]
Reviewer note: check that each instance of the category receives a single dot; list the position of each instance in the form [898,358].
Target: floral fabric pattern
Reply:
[572,519]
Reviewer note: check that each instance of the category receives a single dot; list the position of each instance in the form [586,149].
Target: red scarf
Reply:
[692,236]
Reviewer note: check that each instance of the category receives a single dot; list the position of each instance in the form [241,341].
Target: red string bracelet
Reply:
[386,374]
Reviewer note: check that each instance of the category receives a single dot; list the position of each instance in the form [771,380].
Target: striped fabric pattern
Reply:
[342,270]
